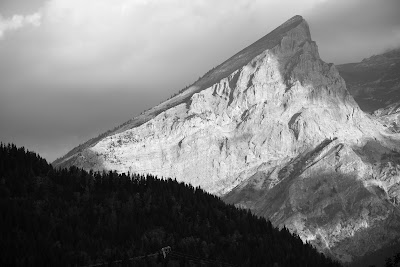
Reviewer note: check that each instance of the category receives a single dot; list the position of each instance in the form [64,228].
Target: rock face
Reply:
[390,116]
[272,129]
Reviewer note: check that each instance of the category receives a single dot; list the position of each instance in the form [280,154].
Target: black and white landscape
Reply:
[274,157]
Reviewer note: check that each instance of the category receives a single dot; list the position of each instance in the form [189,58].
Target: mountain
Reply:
[390,116]
[69,217]
[375,81]
[375,85]
[275,130]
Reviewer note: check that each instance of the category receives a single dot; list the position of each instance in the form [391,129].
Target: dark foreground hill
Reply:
[72,217]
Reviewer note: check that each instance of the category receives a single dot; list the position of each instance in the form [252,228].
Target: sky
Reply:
[72,69]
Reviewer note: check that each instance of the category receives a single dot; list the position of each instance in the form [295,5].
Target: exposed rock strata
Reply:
[390,116]
[279,134]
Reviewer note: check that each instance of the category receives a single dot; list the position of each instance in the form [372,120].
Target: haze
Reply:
[71,69]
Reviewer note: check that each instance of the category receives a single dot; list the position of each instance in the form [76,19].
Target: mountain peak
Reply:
[295,24]
[243,57]
[272,129]
[295,20]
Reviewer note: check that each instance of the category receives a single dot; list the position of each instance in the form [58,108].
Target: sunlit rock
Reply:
[272,129]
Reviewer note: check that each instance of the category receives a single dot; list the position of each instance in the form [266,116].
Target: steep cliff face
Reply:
[272,129]
[390,116]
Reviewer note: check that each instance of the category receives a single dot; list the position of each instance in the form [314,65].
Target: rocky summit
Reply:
[272,129]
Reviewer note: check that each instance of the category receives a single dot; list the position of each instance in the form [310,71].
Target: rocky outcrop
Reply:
[272,129]
[390,117]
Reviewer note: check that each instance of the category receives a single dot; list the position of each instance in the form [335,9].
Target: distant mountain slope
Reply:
[279,134]
[375,85]
[375,81]
[74,218]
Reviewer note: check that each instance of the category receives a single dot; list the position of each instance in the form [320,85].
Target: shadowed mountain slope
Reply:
[375,85]
[375,81]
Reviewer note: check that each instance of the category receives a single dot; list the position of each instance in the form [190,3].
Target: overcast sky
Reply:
[72,69]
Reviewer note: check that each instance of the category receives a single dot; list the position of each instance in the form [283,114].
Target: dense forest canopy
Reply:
[72,217]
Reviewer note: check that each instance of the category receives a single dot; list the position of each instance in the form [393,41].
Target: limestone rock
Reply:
[272,129]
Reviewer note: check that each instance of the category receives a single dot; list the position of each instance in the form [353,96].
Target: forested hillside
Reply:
[69,217]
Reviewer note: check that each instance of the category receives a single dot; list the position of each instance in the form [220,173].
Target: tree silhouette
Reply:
[69,217]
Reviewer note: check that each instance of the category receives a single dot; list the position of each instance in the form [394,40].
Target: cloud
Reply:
[349,30]
[18,21]
[105,42]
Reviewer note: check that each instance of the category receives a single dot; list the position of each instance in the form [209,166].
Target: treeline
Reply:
[70,217]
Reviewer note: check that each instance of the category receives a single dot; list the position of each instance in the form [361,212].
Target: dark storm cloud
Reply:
[350,30]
